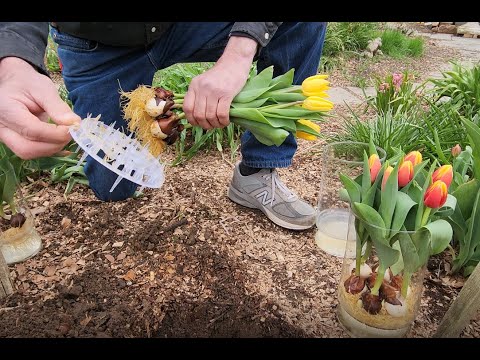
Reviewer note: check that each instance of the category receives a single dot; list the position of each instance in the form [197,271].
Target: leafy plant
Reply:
[396,93]
[343,39]
[391,131]
[398,45]
[466,218]
[459,87]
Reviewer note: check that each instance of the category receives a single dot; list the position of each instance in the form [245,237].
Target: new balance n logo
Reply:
[264,195]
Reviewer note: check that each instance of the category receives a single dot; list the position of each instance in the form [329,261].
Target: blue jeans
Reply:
[93,74]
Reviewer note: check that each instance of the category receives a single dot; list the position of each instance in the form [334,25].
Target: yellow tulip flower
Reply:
[314,86]
[310,124]
[317,103]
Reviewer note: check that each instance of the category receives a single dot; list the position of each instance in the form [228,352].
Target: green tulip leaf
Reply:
[259,81]
[252,104]
[343,195]
[409,252]
[352,188]
[473,232]
[372,221]
[440,235]
[246,96]
[402,208]
[283,81]
[287,97]
[463,194]
[473,132]
[448,208]
[389,197]
[369,197]
[398,266]
[264,133]
[366,178]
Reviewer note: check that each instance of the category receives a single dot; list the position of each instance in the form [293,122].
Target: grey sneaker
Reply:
[265,191]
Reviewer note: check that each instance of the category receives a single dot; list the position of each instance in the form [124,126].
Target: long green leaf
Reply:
[283,81]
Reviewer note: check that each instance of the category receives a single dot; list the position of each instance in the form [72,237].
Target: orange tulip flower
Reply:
[414,157]
[444,173]
[374,166]
[436,195]
[405,173]
[386,174]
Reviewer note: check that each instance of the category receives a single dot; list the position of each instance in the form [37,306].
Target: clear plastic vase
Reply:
[19,239]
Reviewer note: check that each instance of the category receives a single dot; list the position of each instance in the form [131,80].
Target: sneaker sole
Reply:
[239,198]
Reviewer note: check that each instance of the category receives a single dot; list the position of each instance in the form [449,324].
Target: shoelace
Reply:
[277,183]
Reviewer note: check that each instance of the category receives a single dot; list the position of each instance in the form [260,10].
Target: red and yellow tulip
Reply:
[436,195]
[414,157]
[444,173]
[405,173]
[386,174]
[374,165]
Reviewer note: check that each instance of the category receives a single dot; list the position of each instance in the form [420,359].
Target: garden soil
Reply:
[185,261]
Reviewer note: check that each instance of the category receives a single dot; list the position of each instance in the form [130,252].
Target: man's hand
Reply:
[27,99]
[207,102]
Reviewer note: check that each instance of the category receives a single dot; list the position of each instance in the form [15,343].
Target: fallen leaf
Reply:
[85,321]
[21,269]
[38,210]
[110,258]
[118,244]
[68,262]
[50,270]
[152,276]
[66,222]
[129,276]
[170,270]
[121,256]
[81,262]
[170,257]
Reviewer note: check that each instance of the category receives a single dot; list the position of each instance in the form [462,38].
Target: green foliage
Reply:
[396,93]
[466,218]
[459,88]
[51,57]
[345,38]
[398,45]
[390,131]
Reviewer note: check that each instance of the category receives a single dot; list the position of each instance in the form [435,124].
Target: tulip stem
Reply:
[405,282]
[178,101]
[178,96]
[281,106]
[378,281]
[181,116]
[425,216]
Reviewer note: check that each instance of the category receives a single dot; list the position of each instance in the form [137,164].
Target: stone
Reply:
[447,29]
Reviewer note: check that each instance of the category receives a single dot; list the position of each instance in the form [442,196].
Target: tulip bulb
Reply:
[365,270]
[396,310]
[157,131]
[155,108]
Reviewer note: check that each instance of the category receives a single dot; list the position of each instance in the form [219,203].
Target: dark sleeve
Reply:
[262,32]
[25,40]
